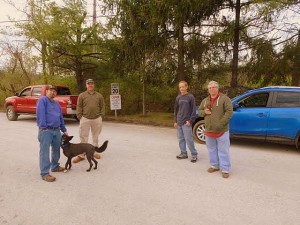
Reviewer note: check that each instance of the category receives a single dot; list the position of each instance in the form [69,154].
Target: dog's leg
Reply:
[68,163]
[91,164]
[96,163]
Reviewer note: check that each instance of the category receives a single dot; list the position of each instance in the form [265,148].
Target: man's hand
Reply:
[187,123]
[207,111]
[175,125]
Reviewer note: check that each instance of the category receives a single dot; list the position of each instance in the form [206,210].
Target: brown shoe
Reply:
[77,159]
[49,178]
[211,169]
[181,156]
[97,156]
[58,169]
[225,175]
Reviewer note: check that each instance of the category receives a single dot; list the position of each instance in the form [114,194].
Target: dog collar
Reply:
[65,145]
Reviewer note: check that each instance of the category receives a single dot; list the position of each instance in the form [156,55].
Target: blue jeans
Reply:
[185,138]
[218,151]
[49,138]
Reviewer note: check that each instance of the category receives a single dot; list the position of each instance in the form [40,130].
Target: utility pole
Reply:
[94,12]
[94,20]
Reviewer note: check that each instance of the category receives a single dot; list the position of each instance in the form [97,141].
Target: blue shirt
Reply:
[49,114]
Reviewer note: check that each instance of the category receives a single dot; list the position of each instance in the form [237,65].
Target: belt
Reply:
[91,118]
[53,128]
[50,128]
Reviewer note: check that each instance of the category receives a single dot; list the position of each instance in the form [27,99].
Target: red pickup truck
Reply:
[25,101]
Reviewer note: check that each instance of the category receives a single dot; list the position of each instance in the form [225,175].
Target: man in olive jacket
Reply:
[90,111]
[217,110]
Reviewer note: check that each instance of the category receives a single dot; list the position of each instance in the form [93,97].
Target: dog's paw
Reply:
[65,171]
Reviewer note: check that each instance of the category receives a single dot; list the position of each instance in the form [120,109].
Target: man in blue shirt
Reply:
[50,122]
[184,116]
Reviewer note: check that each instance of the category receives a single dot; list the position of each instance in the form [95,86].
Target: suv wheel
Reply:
[198,132]
[11,114]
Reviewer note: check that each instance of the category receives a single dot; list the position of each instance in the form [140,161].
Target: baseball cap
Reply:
[51,87]
[89,81]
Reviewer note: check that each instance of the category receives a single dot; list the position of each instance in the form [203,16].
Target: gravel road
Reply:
[140,182]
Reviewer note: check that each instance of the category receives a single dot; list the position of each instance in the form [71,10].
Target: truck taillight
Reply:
[73,102]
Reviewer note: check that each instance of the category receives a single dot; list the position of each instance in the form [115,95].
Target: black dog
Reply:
[71,150]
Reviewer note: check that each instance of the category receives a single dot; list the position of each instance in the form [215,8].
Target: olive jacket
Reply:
[218,120]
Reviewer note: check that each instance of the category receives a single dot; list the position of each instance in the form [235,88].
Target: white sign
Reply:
[115,102]
[114,88]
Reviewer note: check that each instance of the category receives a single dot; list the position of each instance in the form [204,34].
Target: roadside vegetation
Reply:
[151,118]
[147,46]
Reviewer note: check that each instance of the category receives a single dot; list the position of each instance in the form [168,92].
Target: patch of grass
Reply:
[152,118]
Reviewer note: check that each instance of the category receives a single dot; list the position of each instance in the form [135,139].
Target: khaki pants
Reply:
[85,126]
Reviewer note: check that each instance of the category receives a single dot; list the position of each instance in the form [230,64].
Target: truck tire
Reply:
[198,132]
[11,114]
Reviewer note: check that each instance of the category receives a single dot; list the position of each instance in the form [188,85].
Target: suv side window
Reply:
[255,100]
[287,99]
[36,91]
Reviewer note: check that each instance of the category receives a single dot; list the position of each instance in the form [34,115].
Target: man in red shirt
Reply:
[217,110]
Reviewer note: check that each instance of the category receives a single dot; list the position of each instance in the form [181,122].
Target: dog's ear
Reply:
[70,138]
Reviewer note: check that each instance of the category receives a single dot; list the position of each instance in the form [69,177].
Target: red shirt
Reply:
[214,134]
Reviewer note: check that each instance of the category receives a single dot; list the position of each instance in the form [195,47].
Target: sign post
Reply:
[115,98]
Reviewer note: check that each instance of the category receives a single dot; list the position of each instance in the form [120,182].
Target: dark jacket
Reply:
[185,109]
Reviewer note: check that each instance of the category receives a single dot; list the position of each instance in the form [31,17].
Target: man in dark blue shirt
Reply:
[184,116]
[50,122]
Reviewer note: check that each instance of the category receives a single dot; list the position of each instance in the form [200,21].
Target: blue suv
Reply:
[270,114]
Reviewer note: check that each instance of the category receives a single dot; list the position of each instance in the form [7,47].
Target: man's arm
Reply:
[79,107]
[102,106]
[193,107]
[228,111]
[41,113]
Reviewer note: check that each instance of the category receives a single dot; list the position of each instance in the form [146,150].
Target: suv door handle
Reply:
[261,114]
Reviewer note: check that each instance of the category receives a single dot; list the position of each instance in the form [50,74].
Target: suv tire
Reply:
[198,132]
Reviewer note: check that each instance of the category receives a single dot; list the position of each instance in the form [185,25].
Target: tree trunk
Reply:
[79,76]
[180,69]
[236,40]
[144,100]
[44,56]
[144,84]
[296,72]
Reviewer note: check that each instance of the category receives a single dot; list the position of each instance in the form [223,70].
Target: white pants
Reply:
[87,125]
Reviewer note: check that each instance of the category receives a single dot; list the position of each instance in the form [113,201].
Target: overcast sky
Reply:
[7,11]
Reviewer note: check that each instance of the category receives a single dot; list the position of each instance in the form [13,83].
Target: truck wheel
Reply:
[198,132]
[11,114]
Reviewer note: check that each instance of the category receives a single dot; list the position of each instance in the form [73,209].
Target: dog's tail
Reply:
[102,147]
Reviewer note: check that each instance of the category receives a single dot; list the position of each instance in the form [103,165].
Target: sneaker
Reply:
[97,156]
[225,175]
[181,156]
[58,169]
[49,178]
[212,169]
[77,159]
[194,159]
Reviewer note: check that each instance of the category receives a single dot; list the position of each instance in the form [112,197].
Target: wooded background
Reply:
[148,46]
